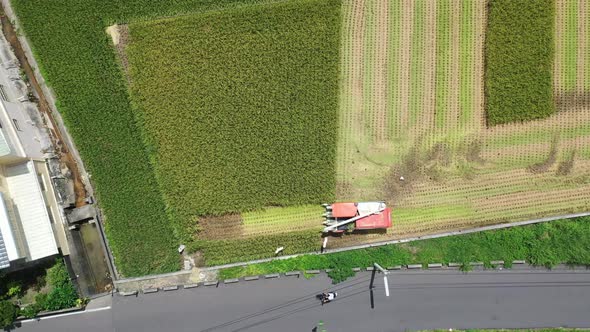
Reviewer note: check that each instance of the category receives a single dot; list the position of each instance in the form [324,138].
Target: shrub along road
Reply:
[519,298]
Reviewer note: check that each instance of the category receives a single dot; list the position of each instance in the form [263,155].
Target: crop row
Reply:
[219,252]
[519,56]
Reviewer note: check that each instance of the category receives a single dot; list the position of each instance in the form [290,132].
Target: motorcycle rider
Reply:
[328,296]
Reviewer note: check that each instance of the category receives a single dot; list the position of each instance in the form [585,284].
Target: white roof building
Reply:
[31,226]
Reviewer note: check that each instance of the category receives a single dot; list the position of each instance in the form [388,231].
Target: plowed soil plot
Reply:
[419,115]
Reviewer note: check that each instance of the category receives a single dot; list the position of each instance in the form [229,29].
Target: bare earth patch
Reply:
[120,37]
[223,227]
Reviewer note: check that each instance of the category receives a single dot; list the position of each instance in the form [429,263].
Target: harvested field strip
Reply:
[282,220]
[537,135]
[454,83]
[417,62]
[409,216]
[535,150]
[571,45]
[427,116]
[345,121]
[443,17]
[479,19]
[369,49]
[443,53]
[467,76]
[405,67]
[586,35]
[582,47]
[564,121]
[382,120]
[569,125]
[558,70]
[394,65]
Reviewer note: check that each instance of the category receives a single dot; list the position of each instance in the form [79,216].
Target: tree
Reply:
[8,313]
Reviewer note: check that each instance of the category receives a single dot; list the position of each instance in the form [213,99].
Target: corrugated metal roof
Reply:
[4,146]
[26,194]
[8,247]
[4,261]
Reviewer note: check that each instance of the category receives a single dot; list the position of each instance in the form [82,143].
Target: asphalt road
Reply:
[418,300]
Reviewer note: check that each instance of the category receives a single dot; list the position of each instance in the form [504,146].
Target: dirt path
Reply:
[405,62]
[380,119]
[582,32]
[64,154]
[452,118]
[427,118]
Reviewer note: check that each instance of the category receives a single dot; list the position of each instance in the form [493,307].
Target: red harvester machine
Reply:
[364,215]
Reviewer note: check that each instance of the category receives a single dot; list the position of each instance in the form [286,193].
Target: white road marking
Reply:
[66,314]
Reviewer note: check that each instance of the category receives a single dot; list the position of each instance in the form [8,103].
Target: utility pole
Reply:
[371,287]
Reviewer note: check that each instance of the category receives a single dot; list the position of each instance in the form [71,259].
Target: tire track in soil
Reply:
[405,63]
[427,117]
[380,119]
[452,120]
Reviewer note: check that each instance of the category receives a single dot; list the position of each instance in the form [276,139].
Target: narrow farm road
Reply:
[517,298]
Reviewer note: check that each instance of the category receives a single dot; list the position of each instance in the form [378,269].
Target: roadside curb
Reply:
[149,290]
[42,314]
[410,268]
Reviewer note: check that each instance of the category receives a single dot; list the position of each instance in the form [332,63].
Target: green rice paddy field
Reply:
[224,124]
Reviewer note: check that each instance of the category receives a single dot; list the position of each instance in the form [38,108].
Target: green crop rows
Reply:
[78,62]
[239,250]
[519,60]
